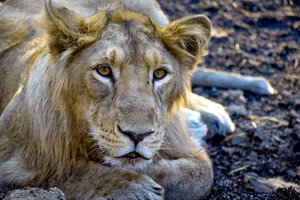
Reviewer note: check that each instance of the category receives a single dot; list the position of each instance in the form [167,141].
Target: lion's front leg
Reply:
[95,181]
[184,178]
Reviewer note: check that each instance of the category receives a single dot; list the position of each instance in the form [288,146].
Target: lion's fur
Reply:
[47,105]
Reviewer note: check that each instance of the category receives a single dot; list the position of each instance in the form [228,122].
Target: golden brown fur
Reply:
[63,125]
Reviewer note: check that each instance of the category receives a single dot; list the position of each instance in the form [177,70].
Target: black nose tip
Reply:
[135,137]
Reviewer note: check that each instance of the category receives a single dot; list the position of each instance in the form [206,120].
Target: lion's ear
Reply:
[188,36]
[63,27]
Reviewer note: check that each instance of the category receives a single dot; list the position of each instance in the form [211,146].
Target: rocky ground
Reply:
[260,38]
[261,159]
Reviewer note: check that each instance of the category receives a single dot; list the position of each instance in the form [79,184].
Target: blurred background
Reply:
[261,159]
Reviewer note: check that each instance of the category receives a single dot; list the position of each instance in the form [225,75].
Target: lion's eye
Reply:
[159,74]
[104,70]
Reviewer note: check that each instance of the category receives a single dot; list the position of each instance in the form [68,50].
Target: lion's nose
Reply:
[135,137]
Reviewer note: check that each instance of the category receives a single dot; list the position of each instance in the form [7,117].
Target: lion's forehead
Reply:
[129,32]
[121,46]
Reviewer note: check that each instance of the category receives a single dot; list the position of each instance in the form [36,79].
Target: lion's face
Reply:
[130,83]
[124,82]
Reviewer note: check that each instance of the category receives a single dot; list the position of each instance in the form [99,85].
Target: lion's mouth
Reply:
[133,155]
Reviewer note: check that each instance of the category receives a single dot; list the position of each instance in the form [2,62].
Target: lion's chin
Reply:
[127,161]
[134,155]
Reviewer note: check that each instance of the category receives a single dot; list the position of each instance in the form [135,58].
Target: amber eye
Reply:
[159,74]
[104,70]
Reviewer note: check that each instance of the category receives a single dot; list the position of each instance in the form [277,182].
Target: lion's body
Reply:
[61,122]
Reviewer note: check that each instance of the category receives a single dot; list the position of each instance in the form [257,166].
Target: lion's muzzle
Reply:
[135,137]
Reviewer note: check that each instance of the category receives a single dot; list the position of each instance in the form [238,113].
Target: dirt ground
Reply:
[260,38]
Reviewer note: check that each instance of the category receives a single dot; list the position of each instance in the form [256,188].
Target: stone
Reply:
[36,194]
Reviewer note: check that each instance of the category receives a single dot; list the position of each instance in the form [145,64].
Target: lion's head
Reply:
[120,75]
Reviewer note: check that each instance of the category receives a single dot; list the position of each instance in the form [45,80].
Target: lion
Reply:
[92,96]
[95,95]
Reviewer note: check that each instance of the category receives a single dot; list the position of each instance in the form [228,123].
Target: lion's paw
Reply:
[144,188]
[213,115]
[217,120]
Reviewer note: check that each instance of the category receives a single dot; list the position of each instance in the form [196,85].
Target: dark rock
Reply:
[296,147]
[285,194]
[5,189]
[250,6]
[228,150]
[36,194]
[253,157]
[260,134]
[236,139]
[269,22]
[194,1]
